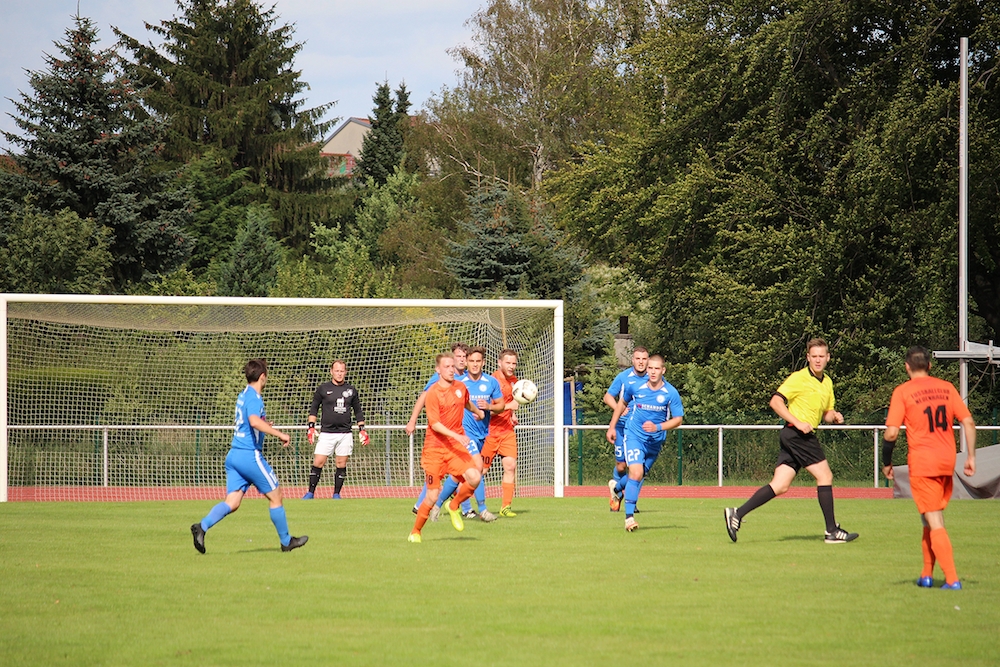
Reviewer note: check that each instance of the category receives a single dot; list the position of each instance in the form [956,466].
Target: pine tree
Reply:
[224,74]
[89,146]
[253,265]
[382,149]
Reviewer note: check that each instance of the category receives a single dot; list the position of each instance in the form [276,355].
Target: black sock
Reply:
[759,497]
[338,479]
[825,496]
[314,478]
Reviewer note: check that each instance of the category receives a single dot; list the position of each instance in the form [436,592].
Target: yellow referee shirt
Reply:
[808,398]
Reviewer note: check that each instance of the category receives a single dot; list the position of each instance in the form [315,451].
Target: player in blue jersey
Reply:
[627,378]
[485,394]
[654,408]
[245,463]
[460,351]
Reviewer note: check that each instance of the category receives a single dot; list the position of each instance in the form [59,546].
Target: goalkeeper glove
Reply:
[311,432]
[363,436]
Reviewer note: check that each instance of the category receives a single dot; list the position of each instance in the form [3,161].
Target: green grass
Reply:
[561,584]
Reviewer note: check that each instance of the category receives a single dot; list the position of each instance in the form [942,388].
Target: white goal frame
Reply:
[556,306]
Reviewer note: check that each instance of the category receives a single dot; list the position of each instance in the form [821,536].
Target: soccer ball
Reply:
[524,391]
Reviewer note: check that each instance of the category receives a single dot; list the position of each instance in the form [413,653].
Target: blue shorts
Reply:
[620,442]
[247,466]
[474,446]
[643,448]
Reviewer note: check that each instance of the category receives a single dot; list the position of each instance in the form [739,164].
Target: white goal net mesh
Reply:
[134,401]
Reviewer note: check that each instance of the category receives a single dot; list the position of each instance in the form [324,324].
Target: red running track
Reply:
[132,494]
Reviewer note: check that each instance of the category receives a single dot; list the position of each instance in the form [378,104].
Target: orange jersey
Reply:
[445,404]
[503,422]
[928,407]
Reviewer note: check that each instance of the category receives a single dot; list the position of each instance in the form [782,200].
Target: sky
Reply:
[349,46]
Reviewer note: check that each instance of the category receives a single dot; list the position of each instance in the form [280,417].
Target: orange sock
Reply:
[421,519]
[928,570]
[464,493]
[508,493]
[941,544]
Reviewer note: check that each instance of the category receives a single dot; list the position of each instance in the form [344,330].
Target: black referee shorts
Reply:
[799,450]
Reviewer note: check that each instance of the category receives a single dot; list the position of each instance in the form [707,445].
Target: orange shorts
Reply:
[503,444]
[438,463]
[931,493]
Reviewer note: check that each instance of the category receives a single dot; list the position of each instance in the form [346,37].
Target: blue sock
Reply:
[281,525]
[217,514]
[448,488]
[618,476]
[481,496]
[631,496]
[420,498]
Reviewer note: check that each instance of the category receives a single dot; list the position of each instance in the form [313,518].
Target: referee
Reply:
[338,399]
[803,400]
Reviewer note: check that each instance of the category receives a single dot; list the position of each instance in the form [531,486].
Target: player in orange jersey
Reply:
[501,441]
[445,444]
[928,407]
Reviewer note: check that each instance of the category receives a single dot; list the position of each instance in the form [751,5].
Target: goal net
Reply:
[132,398]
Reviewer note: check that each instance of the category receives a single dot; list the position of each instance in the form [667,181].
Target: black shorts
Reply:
[799,450]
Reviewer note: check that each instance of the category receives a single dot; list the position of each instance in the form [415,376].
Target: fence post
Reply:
[720,456]
[411,458]
[680,457]
[579,460]
[105,457]
[875,455]
[197,454]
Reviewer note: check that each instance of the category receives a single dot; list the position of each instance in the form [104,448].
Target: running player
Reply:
[338,399]
[445,445]
[654,408]
[460,352]
[636,374]
[245,463]
[501,440]
[803,400]
[929,407]
[484,392]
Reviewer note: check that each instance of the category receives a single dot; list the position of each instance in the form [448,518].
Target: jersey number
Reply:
[938,417]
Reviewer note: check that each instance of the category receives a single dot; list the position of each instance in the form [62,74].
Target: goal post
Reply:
[131,397]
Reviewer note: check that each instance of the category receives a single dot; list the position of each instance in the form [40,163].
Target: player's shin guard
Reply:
[420,498]
[631,496]
[825,496]
[941,545]
[215,515]
[418,523]
[481,495]
[464,493]
[507,493]
[314,476]
[925,544]
[281,525]
[338,479]
[448,487]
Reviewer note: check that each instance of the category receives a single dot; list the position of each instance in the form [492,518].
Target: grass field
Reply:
[561,584]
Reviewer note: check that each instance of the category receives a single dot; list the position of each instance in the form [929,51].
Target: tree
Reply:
[90,147]
[789,172]
[256,255]
[382,148]
[224,73]
[53,253]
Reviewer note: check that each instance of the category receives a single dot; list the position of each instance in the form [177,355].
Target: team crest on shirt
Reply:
[348,393]
[482,387]
[661,398]
[458,392]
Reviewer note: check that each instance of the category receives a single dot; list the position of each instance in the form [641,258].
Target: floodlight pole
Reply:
[963,218]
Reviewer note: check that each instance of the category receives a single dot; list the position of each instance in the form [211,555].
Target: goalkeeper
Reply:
[338,399]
